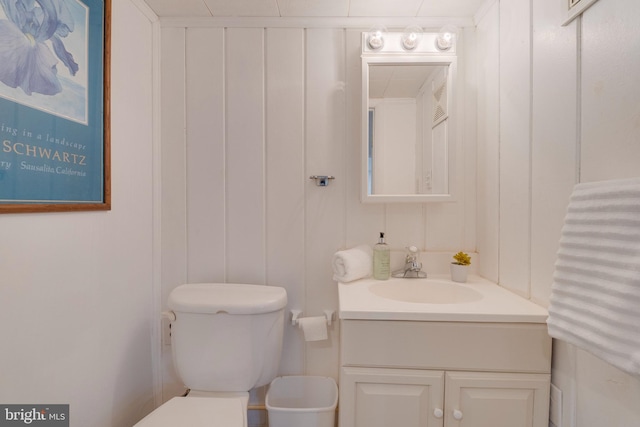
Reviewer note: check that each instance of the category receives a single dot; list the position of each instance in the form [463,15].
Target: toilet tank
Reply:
[227,337]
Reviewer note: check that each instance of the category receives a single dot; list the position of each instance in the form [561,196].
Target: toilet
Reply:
[226,339]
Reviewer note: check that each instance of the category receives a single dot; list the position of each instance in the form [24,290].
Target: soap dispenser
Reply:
[381,263]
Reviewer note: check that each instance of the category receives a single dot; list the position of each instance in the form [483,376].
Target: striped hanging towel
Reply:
[595,296]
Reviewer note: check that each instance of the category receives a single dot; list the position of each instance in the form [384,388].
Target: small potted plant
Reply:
[460,267]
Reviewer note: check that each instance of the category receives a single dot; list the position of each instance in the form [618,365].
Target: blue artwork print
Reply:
[43,56]
[54,108]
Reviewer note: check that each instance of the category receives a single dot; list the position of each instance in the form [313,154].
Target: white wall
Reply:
[488,129]
[568,113]
[394,145]
[248,114]
[76,288]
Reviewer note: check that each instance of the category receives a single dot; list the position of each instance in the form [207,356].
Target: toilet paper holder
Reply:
[296,314]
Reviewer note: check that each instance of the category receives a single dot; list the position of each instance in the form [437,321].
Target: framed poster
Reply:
[54,105]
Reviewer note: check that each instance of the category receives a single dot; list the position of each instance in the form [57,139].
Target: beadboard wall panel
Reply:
[610,126]
[468,175]
[405,225]
[488,182]
[554,139]
[324,206]
[174,252]
[285,178]
[205,167]
[609,149]
[244,155]
[515,146]
[174,205]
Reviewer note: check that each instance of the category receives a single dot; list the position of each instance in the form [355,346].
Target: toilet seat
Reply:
[197,412]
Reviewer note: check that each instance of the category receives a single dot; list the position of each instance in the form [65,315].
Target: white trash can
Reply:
[302,401]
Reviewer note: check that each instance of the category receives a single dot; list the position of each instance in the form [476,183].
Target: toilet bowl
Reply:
[226,339]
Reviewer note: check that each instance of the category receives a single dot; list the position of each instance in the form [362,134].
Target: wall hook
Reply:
[322,180]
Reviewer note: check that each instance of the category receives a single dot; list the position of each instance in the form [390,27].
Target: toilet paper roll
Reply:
[314,328]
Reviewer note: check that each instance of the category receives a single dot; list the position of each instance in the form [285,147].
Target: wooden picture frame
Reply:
[55,110]
[571,9]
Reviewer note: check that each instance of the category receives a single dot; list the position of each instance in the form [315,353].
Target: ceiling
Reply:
[315,8]
[392,81]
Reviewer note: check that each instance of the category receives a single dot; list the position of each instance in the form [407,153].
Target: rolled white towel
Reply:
[352,264]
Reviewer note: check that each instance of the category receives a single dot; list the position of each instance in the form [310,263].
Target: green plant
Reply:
[462,258]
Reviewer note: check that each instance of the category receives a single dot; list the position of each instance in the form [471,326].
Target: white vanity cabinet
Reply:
[444,374]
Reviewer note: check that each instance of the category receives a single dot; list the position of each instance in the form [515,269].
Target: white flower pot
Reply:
[459,272]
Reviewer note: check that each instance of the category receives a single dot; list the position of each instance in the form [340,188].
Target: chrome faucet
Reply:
[412,267]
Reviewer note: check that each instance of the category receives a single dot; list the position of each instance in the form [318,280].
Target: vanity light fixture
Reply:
[446,37]
[411,37]
[375,37]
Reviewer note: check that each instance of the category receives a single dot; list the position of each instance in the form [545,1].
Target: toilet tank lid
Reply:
[232,298]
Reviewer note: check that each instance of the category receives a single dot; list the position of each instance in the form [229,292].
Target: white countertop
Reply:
[496,304]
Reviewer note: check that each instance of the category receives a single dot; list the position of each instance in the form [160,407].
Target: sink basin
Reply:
[435,299]
[425,291]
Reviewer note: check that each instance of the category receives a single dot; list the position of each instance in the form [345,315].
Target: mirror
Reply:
[408,133]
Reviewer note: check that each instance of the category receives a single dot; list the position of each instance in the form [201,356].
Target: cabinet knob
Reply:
[438,413]
[457,414]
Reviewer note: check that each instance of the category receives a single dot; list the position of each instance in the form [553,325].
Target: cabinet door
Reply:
[482,399]
[381,397]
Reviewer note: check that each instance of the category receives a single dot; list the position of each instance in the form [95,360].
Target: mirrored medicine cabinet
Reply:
[408,117]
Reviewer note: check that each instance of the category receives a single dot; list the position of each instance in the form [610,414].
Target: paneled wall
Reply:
[488,129]
[247,115]
[563,110]
[609,149]
[515,145]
